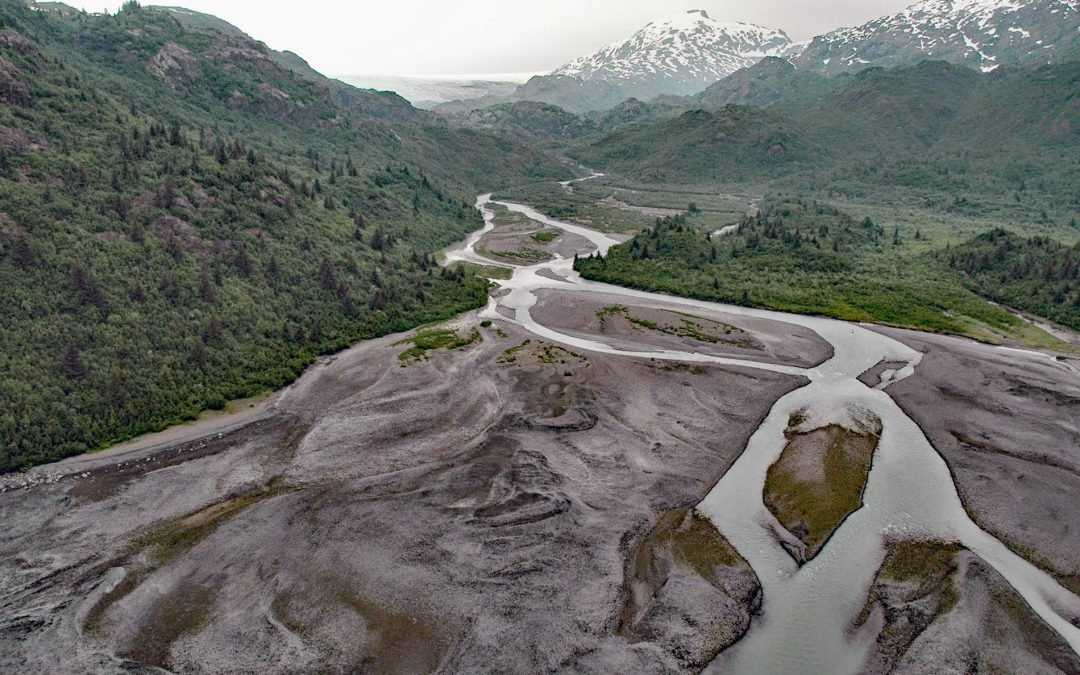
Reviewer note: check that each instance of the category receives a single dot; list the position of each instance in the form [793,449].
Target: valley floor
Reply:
[577,488]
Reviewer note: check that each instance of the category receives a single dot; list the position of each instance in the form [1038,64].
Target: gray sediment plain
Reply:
[477,511]
[1009,429]
[514,506]
[514,243]
[938,607]
[749,337]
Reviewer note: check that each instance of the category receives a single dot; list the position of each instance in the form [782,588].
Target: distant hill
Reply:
[529,121]
[735,143]
[936,120]
[768,81]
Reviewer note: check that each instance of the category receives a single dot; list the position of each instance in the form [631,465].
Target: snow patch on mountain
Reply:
[680,54]
[979,33]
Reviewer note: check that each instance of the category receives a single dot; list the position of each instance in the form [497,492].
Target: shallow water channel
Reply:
[805,624]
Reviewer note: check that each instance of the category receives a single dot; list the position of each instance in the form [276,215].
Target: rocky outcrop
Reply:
[13,91]
[176,66]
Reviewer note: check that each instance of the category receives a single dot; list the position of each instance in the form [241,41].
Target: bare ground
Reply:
[524,241]
[475,512]
[1008,425]
[759,339]
[937,607]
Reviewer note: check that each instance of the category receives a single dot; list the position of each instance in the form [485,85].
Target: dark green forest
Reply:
[798,255]
[188,217]
[184,222]
[1038,274]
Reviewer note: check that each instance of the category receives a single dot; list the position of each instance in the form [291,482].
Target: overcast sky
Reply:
[427,37]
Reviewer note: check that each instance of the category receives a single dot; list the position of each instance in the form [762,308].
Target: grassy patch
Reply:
[912,571]
[485,271]
[700,546]
[555,353]
[437,338]
[545,236]
[819,481]
[505,218]
[511,355]
[526,254]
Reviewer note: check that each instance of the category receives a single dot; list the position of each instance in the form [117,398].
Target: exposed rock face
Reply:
[20,141]
[13,91]
[16,42]
[177,66]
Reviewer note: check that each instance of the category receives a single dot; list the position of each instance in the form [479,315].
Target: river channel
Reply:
[806,619]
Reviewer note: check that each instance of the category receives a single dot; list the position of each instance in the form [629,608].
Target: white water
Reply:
[726,230]
[807,612]
[567,183]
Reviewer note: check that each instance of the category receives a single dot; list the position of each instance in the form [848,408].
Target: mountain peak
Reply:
[679,54]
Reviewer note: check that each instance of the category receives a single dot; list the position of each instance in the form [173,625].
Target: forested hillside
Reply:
[927,130]
[802,256]
[183,221]
[1038,274]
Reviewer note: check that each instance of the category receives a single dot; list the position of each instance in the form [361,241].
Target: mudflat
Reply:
[477,510]
[635,324]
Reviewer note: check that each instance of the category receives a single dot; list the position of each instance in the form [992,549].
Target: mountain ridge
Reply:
[983,34]
[679,54]
[686,53]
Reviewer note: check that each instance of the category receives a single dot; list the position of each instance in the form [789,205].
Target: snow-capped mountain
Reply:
[681,54]
[982,34]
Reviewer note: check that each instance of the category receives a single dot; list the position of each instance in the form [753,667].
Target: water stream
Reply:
[805,624]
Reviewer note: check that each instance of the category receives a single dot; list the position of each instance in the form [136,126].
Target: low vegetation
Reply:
[437,338]
[692,327]
[819,480]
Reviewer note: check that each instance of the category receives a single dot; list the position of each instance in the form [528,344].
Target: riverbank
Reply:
[404,514]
